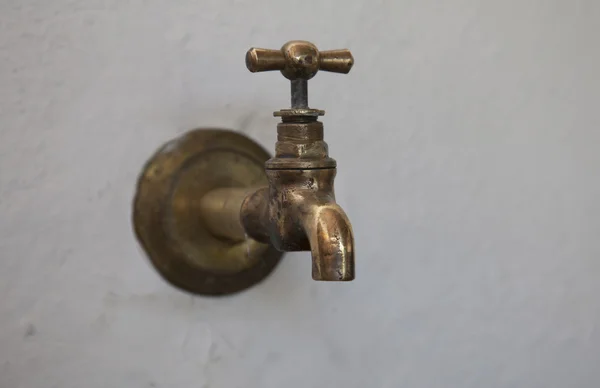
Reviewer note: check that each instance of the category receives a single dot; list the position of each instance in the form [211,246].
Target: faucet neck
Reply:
[300,145]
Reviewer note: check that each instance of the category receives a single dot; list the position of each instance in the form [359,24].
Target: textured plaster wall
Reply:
[467,140]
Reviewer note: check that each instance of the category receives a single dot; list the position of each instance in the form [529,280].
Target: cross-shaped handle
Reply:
[299,59]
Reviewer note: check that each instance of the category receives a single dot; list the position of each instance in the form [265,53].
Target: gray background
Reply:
[467,142]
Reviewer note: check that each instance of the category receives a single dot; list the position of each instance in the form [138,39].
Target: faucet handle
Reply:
[299,59]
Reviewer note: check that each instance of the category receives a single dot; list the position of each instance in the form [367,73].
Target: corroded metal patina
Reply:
[214,213]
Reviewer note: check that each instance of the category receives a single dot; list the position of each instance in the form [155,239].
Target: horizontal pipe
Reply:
[220,209]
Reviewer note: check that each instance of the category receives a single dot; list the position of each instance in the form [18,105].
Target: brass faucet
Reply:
[212,222]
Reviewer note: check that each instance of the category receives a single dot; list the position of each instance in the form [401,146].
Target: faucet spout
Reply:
[298,212]
[331,240]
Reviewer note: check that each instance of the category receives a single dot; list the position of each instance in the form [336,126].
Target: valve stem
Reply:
[299,93]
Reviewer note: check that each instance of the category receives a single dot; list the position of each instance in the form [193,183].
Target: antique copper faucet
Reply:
[214,213]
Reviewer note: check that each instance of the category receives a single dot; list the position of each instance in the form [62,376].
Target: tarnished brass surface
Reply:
[298,212]
[170,210]
[213,212]
[300,145]
[299,59]
[220,209]
[301,215]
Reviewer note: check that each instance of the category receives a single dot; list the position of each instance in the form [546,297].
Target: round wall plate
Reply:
[168,221]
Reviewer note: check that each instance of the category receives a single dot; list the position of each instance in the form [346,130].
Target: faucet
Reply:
[212,223]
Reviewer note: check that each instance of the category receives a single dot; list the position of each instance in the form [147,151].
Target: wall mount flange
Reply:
[168,212]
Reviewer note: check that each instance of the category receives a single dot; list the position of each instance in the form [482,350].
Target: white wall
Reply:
[467,141]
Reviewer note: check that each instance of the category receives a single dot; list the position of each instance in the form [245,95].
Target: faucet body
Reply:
[298,212]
